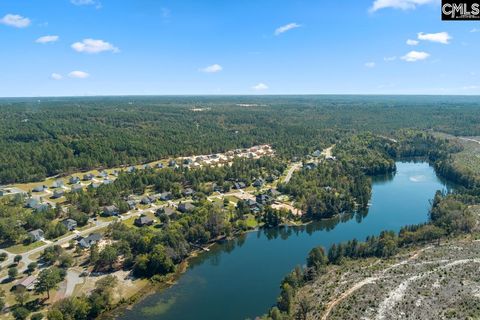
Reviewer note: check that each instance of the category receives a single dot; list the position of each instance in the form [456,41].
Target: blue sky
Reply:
[112,47]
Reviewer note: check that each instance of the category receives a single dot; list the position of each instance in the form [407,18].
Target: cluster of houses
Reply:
[227,157]
[262,200]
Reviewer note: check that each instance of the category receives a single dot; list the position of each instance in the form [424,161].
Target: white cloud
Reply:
[286,28]
[78,75]
[388,59]
[82,2]
[94,46]
[56,76]
[414,56]
[411,42]
[214,68]
[260,87]
[440,37]
[398,4]
[47,39]
[15,20]
[475,30]
[370,64]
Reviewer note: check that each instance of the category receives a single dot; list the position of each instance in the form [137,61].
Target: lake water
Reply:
[240,279]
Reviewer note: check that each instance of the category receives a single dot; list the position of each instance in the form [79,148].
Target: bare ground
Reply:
[434,282]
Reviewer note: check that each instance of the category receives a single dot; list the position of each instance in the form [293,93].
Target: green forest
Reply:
[49,136]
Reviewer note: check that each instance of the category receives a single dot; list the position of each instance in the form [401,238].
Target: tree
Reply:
[31,267]
[2,299]
[21,295]
[48,279]
[17,258]
[12,272]
[20,313]
[317,258]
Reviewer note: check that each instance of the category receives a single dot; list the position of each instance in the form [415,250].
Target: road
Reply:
[295,166]
[470,139]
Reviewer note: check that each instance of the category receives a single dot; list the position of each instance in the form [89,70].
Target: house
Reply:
[88,177]
[273,193]
[36,235]
[131,169]
[258,183]
[58,193]
[103,175]
[147,166]
[110,211]
[172,163]
[74,180]
[27,283]
[39,188]
[159,165]
[57,184]
[186,207]
[187,161]
[41,207]
[251,203]
[77,188]
[188,192]
[217,188]
[31,203]
[310,166]
[94,185]
[107,181]
[264,199]
[143,221]
[90,240]
[166,196]
[70,224]
[331,158]
[165,211]
[239,185]
[132,204]
[146,200]
[316,153]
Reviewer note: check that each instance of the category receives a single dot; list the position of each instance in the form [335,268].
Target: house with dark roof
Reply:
[70,224]
[58,193]
[110,211]
[143,221]
[36,235]
[74,180]
[103,174]
[131,169]
[88,177]
[146,200]
[90,240]
[188,192]
[159,165]
[258,183]
[264,199]
[165,196]
[172,163]
[239,185]
[41,207]
[186,207]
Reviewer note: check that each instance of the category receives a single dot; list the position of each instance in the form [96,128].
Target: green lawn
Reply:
[232,199]
[250,220]
[21,248]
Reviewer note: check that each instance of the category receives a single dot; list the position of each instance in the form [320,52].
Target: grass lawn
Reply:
[21,248]
[250,220]
[232,199]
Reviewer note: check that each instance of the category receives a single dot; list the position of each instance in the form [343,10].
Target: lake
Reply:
[240,279]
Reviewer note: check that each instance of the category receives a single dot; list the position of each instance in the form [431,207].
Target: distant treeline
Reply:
[39,138]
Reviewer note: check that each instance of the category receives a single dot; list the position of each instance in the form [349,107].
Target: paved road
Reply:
[295,166]
[470,139]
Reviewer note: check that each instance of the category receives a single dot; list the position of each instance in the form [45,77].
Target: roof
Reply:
[37,233]
[27,282]
[69,222]
[186,206]
[143,220]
